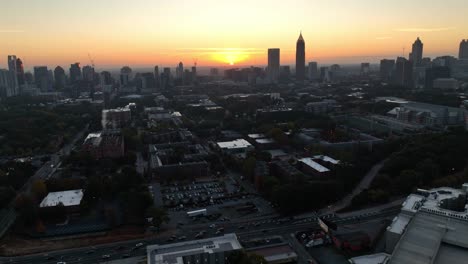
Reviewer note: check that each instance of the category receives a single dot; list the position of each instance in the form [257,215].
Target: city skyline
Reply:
[220,34]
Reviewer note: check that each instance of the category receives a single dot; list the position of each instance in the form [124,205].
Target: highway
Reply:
[244,229]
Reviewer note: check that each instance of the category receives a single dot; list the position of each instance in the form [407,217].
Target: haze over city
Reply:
[234,132]
[219,33]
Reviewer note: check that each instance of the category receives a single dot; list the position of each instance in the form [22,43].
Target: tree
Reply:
[27,209]
[248,167]
[158,216]
[39,189]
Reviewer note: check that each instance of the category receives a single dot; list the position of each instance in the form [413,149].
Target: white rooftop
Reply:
[67,198]
[314,165]
[256,136]
[174,253]
[264,141]
[235,144]
[379,258]
[399,224]
[412,203]
[326,159]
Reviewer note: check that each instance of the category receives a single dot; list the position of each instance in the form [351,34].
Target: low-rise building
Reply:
[214,250]
[116,118]
[71,199]
[238,147]
[105,144]
[432,228]
[321,107]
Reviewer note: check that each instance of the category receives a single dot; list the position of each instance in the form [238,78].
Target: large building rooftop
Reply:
[235,144]
[67,198]
[314,165]
[192,252]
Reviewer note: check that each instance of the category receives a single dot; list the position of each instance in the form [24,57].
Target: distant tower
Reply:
[20,72]
[12,68]
[157,77]
[273,69]
[417,52]
[60,78]
[463,52]
[180,71]
[125,75]
[75,72]
[313,71]
[300,58]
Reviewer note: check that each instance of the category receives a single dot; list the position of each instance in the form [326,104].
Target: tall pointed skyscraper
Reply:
[417,52]
[300,58]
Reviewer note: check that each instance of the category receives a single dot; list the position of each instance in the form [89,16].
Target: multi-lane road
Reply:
[245,229]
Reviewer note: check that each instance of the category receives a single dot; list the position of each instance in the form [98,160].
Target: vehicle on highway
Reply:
[105,256]
[139,245]
[61,262]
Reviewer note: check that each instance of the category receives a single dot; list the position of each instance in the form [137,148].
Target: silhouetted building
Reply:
[436,72]
[147,81]
[180,71]
[59,77]
[106,78]
[12,68]
[463,52]
[157,77]
[300,58]
[88,73]
[20,72]
[403,72]
[313,71]
[417,53]
[285,73]
[165,78]
[41,78]
[273,70]
[75,72]
[125,75]
[386,69]
[365,68]
[7,83]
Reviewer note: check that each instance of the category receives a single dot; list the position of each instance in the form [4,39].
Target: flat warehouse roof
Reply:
[67,198]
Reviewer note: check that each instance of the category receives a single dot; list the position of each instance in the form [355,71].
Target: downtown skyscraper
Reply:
[273,70]
[416,54]
[300,59]
[463,51]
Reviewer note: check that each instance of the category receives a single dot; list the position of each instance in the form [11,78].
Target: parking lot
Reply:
[193,195]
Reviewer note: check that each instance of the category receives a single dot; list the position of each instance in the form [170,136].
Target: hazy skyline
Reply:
[218,33]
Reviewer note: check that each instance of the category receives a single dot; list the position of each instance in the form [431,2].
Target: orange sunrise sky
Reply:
[216,33]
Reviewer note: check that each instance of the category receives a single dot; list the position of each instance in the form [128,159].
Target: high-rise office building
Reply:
[386,69]
[41,78]
[365,68]
[106,78]
[88,73]
[273,70]
[313,71]
[125,75]
[157,76]
[463,51]
[12,68]
[75,72]
[416,54]
[147,81]
[20,72]
[180,71]
[436,72]
[404,72]
[300,58]
[60,78]
[7,83]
